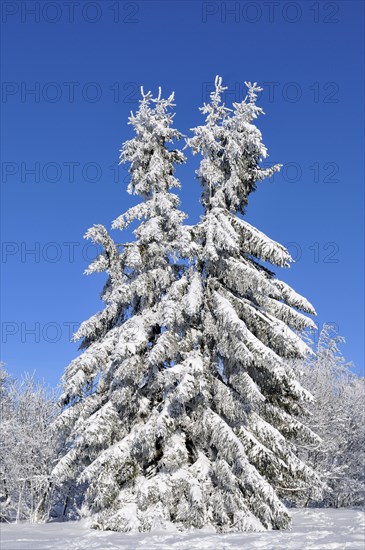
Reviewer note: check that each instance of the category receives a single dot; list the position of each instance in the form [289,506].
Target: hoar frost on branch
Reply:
[182,407]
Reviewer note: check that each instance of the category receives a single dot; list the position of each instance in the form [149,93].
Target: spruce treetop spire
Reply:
[152,163]
[232,150]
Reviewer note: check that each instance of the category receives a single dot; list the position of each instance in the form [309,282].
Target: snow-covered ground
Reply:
[313,529]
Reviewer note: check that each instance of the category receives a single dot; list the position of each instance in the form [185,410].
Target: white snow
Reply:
[313,529]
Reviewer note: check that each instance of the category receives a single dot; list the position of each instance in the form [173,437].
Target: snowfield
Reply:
[313,529]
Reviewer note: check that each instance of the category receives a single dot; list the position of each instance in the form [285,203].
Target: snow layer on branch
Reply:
[259,245]
[272,331]
[241,276]
[292,298]
[287,314]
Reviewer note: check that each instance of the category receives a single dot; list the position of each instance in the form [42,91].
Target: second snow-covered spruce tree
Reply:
[248,419]
[182,409]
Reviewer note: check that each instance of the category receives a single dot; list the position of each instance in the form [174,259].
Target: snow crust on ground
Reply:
[313,529]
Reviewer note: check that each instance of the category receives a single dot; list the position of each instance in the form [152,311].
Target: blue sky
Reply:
[85,62]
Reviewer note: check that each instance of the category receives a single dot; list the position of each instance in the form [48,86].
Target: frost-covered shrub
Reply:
[27,450]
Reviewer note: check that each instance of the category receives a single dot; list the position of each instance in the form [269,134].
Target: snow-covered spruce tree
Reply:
[120,397]
[247,418]
[182,405]
[337,416]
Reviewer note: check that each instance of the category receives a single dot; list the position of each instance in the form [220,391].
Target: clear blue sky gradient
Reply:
[309,54]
